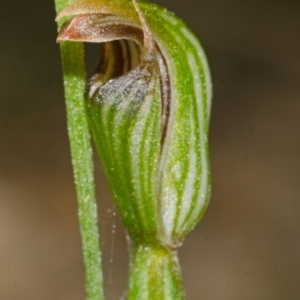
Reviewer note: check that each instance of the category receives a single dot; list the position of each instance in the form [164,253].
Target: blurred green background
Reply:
[247,245]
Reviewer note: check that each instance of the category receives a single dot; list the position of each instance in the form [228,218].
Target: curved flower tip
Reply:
[148,107]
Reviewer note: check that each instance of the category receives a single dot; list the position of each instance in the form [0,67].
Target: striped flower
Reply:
[148,107]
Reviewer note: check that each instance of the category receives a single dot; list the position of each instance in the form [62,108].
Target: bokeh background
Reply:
[247,245]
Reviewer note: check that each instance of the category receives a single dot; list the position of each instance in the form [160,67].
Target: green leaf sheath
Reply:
[72,56]
[155,275]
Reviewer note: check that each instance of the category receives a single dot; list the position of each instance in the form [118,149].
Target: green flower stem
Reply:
[72,56]
[154,274]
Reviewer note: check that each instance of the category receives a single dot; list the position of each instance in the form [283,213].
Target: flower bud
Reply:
[148,107]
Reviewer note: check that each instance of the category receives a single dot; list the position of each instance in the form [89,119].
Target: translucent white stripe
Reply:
[167,199]
[169,17]
[203,138]
[204,63]
[189,188]
[168,212]
[175,36]
[135,146]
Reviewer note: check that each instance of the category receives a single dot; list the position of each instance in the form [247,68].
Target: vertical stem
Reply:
[154,274]
[72,56]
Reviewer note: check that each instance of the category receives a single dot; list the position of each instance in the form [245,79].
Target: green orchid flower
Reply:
[148,108]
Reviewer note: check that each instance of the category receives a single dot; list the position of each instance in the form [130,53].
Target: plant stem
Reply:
[72,56]
[154,274]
